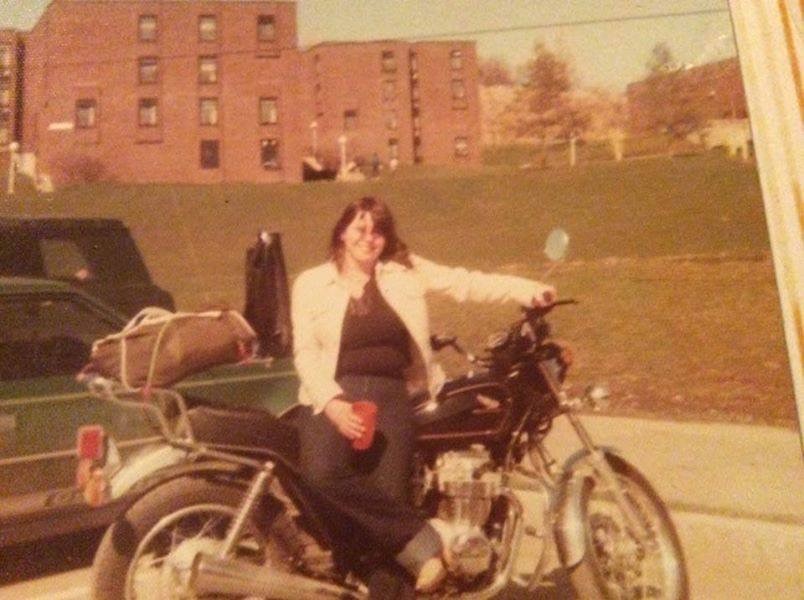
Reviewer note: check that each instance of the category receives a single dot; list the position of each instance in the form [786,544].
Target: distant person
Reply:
[361,332]
[375,165]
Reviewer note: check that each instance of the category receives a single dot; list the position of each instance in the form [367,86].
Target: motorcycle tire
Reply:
[615,565]
[120,543]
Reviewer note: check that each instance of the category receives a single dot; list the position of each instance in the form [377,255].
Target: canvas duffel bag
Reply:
[158,348]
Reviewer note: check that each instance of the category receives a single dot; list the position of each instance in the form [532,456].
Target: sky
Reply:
[607,41]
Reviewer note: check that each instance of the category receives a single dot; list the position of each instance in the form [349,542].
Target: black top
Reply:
[374,340]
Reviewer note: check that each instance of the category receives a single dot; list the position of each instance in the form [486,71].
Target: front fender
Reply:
[570,525]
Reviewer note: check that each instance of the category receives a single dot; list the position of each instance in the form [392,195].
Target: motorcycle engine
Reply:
[467,486]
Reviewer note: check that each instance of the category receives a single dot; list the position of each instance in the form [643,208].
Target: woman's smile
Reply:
[361,242]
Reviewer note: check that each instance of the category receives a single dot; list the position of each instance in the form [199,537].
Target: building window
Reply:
[388,90]
[269,112]
[208,111]
[461,147]
[349,120]
[148,112]
[5,93]
[210,157]
[266,29]
[147,28]
[148,69]
[458,93]
[393,149]
[86,112]
[5,56]
[269,153]
[207,28]
[388,61]
[458,89]
[208,69]
[456,60]
[391,120]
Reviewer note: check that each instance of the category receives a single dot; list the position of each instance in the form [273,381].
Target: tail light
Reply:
[91,448]
[90,442]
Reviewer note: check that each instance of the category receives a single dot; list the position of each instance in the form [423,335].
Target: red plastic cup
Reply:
[367,411]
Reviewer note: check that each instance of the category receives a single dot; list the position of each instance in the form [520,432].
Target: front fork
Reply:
[602,468]
[596,458]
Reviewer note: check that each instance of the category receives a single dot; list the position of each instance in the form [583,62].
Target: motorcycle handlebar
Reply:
[540,311]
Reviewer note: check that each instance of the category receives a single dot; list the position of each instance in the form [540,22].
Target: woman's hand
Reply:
[344,418]
[544,295]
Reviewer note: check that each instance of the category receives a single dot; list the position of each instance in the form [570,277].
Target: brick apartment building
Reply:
[10,85]
[715,90]
[413,102]
[197,92]
[211,91]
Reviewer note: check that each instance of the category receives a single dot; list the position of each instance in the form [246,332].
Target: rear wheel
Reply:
[148,554]
[617,565]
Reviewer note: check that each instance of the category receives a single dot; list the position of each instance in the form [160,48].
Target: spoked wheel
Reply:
[163,561]
[617,565]
[148,555]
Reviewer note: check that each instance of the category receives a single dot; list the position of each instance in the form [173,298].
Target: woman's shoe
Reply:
[431,575]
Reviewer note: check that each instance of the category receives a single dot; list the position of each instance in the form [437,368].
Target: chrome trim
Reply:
[449,436]
[72,453]
[211,575]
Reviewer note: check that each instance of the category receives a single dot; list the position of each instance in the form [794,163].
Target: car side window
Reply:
[43,337]
[64,260]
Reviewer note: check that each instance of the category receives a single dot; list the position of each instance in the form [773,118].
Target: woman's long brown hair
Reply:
[395,249]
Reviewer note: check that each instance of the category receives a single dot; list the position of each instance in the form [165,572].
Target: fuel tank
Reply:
[468,410]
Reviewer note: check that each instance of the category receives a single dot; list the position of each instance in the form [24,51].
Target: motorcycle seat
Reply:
[244,427]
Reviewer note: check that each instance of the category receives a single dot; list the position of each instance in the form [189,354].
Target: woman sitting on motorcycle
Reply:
[361,332]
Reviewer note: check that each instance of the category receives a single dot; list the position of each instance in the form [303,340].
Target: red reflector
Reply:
[89,443]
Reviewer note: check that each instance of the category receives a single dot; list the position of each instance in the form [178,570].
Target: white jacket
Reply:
[318,306]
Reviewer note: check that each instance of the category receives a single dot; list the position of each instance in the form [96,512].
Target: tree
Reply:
[495,71]
[666,98]
[543,108]
[661,60]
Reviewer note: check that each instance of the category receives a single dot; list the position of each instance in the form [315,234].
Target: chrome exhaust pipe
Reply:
[211,575]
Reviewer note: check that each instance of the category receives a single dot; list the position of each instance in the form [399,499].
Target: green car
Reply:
[46,331]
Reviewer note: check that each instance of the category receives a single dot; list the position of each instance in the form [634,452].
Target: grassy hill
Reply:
[484,217]
[670,258]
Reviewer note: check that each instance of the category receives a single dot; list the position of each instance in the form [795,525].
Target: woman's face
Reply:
[361,243]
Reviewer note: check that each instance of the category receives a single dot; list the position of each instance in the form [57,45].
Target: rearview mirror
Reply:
[555,248]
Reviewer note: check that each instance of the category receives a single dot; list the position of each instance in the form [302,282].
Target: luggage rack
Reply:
[155,402]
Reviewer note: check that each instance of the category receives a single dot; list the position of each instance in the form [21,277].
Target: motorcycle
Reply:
[220,509]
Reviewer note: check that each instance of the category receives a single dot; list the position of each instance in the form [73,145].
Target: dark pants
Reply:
[374,482]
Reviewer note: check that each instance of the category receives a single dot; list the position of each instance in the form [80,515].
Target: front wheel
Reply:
[616,565]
